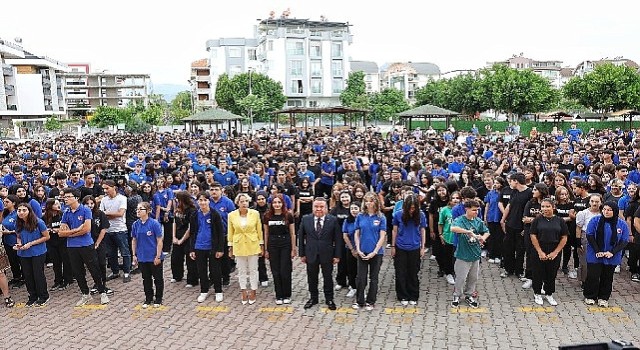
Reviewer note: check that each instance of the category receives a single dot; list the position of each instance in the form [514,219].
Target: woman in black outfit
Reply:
[341,211]
[262,206]
[280,247]
[184,212]
[548,234]
[57,246]
[531,211]
[441,199]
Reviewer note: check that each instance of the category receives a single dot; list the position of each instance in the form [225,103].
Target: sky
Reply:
[143,36]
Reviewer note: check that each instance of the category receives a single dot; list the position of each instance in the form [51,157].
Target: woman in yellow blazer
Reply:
[247,244]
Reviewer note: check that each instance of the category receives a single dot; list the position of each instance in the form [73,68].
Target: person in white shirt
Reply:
[114,205]
[582,220]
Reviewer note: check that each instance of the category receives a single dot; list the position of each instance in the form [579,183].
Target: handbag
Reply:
[4,258]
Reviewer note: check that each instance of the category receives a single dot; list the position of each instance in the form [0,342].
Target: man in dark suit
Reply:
[320,237]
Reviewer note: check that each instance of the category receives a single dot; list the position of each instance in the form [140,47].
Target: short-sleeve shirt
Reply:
[146,235]
[409,237]
[370,227]
[110,205]
[75,219]
[30,236]
[466,249]
[549,230]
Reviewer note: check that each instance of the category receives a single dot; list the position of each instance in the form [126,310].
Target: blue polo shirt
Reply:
[350,229]
[203,239]
[493,214]
[138,178]
[162,199]
[328,167]
[146,235]
[227,179]
[455,167]
[75,219]
[30,236]
[223,206]
[370,227]
[408,237]
[9,224]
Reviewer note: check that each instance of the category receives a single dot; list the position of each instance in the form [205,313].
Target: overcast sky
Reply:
[143,36]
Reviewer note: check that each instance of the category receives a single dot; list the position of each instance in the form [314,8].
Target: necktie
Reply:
[318,225]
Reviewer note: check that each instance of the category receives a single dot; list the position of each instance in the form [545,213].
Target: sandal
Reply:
[8,302]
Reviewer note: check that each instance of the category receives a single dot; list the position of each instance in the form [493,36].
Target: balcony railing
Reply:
[12,107]
[48,108]
[10,90]
[7,70]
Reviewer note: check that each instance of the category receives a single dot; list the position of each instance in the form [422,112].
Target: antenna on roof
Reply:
[18,40]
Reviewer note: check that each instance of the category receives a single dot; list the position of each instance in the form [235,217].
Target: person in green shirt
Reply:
[472,234]
[445,218]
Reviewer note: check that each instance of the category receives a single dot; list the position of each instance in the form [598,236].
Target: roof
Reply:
[319,110]
[202,63]
[299,22]
[624,112]
[566,72]
[368,67]
[213,115]
[427,110]
[424,68]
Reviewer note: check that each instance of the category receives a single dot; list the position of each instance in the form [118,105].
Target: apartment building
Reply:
[371,74]
[201,91]
[310,58]
[588,66]
[408,76]
[547,69]
[30,85]
[85,91]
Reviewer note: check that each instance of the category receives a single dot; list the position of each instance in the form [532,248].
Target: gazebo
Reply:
[626,113]
[427,113]
[556,116]
[293,111]
[213,116]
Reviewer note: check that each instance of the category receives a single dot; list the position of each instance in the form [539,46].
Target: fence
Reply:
[525,126]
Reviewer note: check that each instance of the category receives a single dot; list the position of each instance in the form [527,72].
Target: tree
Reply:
[607,88]
[105,116]
[52,124]
[433,93]
[386,104]
[181,106]
[356,88]
[231,94]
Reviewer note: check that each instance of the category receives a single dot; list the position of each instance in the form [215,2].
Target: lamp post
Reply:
[250,108]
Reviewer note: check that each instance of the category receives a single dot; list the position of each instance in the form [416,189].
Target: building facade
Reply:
[547,69]
[588,66]
[201,91]
[371,74]
[408,76]
[86,91]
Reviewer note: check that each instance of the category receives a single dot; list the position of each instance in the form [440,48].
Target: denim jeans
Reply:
[118,241]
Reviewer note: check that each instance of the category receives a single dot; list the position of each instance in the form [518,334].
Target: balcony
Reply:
[48,108]
[204,78]
[7,70]
[12,107]
[10,90]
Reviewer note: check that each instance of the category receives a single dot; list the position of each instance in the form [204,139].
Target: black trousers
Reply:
[599,281]
[152,274]
[513,251]
[167,236]
[530,256]
[567,252]
[368,270]
[352,270]
[313,270]
[34,278]
[226,262]
[209,270]
[62,271]
[407,265]
[281,265]
[634,256]
[14,262]
[544,274]
[102,262]
[262,270]
[81,257]
[495,240]
[341,276]
[178,256]
[447,260]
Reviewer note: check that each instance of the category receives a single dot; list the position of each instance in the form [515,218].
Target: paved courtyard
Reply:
[507,318]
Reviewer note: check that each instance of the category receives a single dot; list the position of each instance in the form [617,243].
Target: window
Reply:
[252,55]
[369,86]
[316,86]
[295,68]
[233,70]
[296,87]
[313,103]
[368,77]
[336,86]
[295,48]
[235,52]
[315,49]
[336,68]
[336,49]
[316,68]
[294,103]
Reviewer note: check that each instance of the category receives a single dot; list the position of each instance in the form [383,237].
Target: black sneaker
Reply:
[30,303]
[471,301]
[440,273]
[63,286]
[455,302]
[93,290]
[18,284]
[41,302]
[226,282]
[565,270]
[109,291]
[55,287]
[635,277]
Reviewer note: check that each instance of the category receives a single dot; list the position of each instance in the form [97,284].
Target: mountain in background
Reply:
[169,91]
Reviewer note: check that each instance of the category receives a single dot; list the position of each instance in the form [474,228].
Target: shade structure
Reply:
[626,114]
[341,110]
[213,116]
[427,113]
[555,116]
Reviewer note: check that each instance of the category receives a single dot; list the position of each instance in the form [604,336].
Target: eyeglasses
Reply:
[66,197]
[141,209]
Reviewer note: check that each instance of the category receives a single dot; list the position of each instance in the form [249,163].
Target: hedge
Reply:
[525,126]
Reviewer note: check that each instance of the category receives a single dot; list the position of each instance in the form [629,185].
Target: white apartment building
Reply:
[588,66]
[30,85]
[408,76]
[371,74]
[309,58]
[85,91]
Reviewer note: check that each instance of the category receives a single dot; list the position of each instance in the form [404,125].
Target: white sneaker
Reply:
[337,287]
[617,270]
[497,260]
[145,305]
[413,302]
[219,297]
[286,301]
[492,261]
[603,303]
[450,279]
[551,300]
[527,284]
[537,298]
[202,297]
[483,254]
[279,301]
[404,302]
[351,293]
[189,286]
[432,257]
[85,298]
[264,283]
[173,280]
[104,299]
[573,274]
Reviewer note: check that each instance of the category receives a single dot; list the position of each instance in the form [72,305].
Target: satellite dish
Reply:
[18,40]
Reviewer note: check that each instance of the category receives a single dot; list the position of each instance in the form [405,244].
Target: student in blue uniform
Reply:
[32,250]
[146,235]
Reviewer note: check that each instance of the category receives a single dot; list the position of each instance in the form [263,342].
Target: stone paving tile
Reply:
[507,318]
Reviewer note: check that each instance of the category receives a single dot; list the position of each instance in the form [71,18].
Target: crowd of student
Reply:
[116,205]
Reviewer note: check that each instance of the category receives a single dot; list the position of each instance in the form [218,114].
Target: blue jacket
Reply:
[622,235]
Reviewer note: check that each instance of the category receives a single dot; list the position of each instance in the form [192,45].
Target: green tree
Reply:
[356,88]
[52,124]
[181,106]
[105,116]
[607,88]
[386,104]
[230,94]
[433,93]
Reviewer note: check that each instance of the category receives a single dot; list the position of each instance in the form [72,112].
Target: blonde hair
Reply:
[240,195]
[376,201]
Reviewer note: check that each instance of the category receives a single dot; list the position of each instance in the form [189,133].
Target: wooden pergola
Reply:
[556,116]
[340,110]
[427,113]
[626,113]
[213,116]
